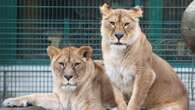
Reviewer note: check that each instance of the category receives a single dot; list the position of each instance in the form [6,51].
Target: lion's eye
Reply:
[126,24]
[61,64]
[113,23]
[77,64]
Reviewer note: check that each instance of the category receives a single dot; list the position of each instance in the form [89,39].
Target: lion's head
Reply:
[120,27]
[71,66]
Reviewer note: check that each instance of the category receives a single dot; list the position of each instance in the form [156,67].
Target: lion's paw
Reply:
[14,102]
[114,108]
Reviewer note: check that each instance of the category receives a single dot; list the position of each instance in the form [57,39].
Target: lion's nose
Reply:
[68,77]
[119,35]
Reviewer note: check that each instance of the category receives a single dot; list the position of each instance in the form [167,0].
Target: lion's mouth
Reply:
[69,87]
[69,84]
[118,43]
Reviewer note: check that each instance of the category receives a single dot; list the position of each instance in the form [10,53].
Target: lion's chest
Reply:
[121,76]
[73,103]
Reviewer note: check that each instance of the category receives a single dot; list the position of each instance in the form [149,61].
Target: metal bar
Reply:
[4,85]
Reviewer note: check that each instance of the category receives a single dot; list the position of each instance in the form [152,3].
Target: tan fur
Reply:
[146,80]
[88,89]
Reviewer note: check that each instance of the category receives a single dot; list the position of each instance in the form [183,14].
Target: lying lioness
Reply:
[79,83]
[146,80]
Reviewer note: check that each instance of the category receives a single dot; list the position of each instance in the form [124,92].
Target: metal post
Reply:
[192,84]
[4,84]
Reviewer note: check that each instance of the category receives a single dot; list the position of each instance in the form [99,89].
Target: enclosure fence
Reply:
[27,27]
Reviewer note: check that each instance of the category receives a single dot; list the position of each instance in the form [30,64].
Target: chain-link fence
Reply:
[27,27]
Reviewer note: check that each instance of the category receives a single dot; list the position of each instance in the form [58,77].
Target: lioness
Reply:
[78,83]
[147,81]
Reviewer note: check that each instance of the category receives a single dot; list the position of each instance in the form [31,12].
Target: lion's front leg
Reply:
[142,84]
[119,99]
[47,101]
[17,102]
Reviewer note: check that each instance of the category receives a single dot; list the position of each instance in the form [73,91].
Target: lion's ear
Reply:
[105,9]
[52,51]
[85,52]
[136,12]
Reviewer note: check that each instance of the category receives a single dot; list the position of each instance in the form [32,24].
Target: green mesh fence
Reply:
[27,27]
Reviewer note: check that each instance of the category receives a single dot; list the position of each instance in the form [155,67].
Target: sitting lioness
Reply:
[147,81]
[78,83]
